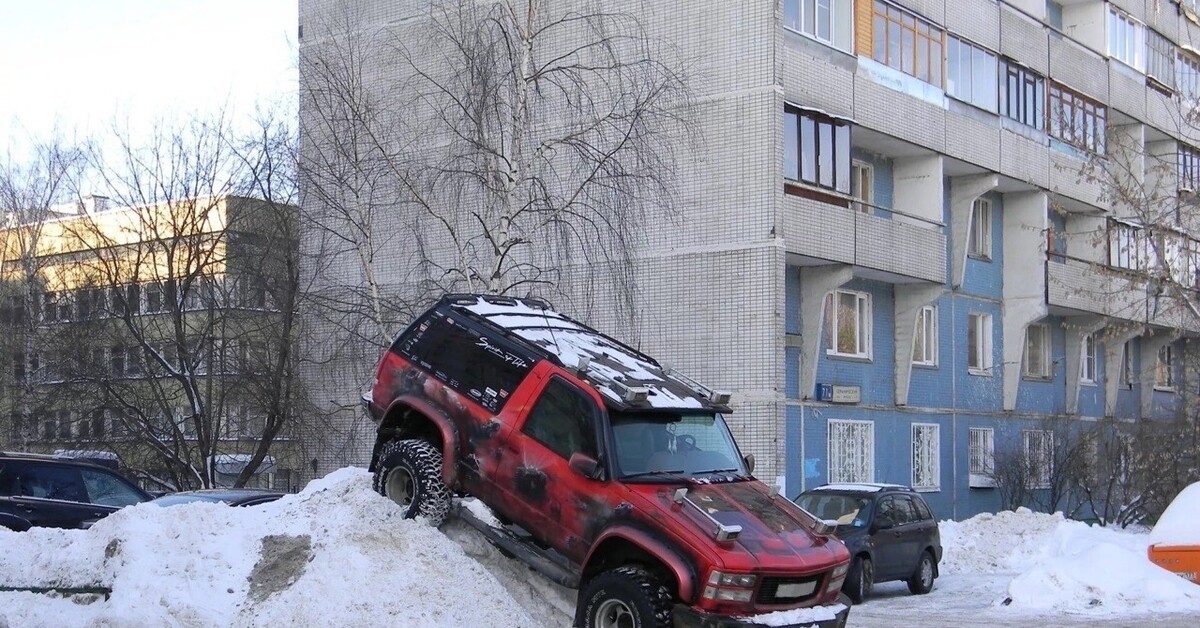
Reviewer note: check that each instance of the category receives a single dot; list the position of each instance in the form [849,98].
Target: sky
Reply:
[339,554]
[77,66]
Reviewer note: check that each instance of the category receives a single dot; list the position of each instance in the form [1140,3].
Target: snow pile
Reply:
[1064,566]
[334,554]
[1177,525]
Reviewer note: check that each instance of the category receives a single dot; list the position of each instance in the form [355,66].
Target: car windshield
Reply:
[846,510]
[668,446]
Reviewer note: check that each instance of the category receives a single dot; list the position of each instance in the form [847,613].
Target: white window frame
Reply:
[1037,345]
[1126,365]
[862,185]
[1088,359]
[980,238]
[925,337]
[1039,457]
[851,451]
[807,17]
[1160,58]
[861,324]
[979,335]
[1126,39]
[963,82]
[981,457]
[1187,76]
[1164,369]
[926,457]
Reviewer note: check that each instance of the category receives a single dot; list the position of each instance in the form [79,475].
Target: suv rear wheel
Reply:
[921,581]
[625,597]
[410,474]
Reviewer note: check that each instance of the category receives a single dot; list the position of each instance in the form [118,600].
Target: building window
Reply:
[1164,376]
[828,21]
[848,316]
[981,455]
[1187,75]
[1039,457]
[1076,119]
[816,149]
[1160,59]
[862,185]
[1126,245]
[1087,359]
[979,343]
[851,451]
[1126,38]
[1127,364]
[1189,169]
[1037,352]
[980,243]
[1022,94]
[926,457]
[908,43]
[925,341]
[971,73]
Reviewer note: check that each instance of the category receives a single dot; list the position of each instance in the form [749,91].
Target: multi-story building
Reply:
[148,334]
[899,245]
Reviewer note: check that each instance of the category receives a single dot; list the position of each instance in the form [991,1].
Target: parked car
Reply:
[608,472]
[888,528]
[230,496]
[60,491]
[1175,539]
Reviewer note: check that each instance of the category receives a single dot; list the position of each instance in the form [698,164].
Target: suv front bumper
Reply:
[688,617]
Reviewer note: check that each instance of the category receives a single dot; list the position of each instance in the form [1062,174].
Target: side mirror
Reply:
[749,460]
[585,465]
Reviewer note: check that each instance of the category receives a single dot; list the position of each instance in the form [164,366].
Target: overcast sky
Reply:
[77,65]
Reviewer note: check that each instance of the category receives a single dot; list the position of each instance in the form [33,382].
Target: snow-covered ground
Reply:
[337,554]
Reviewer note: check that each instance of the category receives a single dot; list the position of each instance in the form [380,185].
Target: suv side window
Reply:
[907,511]
[563,419]
[922,509]
[888,514]
[485,368]
[108,490]
[52,482]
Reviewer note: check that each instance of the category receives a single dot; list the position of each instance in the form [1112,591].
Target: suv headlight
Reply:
[731,587]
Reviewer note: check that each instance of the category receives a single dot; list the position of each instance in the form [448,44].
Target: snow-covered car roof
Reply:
[627,378]
[1177,525]
[863,487]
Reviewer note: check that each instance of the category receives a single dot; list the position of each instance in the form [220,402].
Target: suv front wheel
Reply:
[410,474]
[625,597]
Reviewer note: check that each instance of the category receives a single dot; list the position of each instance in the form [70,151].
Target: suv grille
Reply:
[795,589]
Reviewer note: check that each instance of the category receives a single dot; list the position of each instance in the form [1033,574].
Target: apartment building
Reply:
[895,245]
[143,334]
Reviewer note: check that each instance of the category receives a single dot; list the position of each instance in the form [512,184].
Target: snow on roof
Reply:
[1178,523]
[864,487]
[612,367]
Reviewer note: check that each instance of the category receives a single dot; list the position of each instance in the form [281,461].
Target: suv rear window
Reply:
[483,367]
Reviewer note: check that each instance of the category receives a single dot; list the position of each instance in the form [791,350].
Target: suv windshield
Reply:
[846,510]
[670,445]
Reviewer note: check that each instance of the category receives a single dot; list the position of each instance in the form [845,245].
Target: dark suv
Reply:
[889,530]
[607,472]
[60,492]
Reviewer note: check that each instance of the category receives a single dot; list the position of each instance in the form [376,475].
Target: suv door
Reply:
[886,538]
[69,496]
[911,532]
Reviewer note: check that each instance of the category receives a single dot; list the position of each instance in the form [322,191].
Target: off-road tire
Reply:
[860,580]
[410,474]
[632,593]
[921,581]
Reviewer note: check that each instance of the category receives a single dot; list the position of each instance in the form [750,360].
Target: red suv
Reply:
[606,471]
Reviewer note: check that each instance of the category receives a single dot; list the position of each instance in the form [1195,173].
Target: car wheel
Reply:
[860,580]
[410,474]
[625,597]
[921,581]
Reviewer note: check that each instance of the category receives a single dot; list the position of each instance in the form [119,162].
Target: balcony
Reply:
[1080,286]
[881,243]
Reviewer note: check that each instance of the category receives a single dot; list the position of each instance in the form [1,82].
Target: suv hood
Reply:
[775,533]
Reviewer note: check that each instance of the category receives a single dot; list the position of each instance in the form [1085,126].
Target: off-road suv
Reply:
[606,471]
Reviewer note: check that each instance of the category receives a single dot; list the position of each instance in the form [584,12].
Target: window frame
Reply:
[810,169]
[796,12]
[1127,365]
[908,26]
[1187,168]
[926,457]
[979,238]
[981,456]
[862,469]
[1187,75]
[1038,339]
[979,339]
[1068,108]
[1039,457]
[589,428]
[862,172]
[925,337]
[1025,108]
[1124,24]
[863,323]
[1160,59]
[1088,359]
[955,67]
[1164,369]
